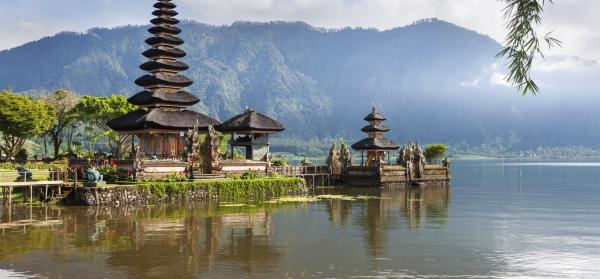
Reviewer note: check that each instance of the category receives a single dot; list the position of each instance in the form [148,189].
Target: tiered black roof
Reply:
[375,129]
[163,97]
[251,122]
[162,119]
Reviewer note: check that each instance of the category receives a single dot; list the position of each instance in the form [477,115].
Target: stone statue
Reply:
[24,173]
[446,162]
[212,156]
[419,161]
[93,176]
[400,160]
[192,150]
[333,159]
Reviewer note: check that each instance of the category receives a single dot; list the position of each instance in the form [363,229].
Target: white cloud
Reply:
[574,21]
[499,79]
[565,63]
[473,83]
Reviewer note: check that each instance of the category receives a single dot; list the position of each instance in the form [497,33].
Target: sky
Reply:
[573,21]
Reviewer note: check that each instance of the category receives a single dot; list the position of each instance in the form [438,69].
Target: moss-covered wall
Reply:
[164,192]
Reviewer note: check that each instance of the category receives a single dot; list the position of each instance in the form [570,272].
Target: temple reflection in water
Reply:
[202,238]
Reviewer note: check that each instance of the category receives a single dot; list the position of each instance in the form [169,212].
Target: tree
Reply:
[63,103]
[435,152]
[522,43]
[97,111]
[22,118]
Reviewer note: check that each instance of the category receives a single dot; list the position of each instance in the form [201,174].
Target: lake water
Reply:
[497,220]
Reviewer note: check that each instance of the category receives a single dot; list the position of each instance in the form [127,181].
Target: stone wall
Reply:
[139,195]
[395,175]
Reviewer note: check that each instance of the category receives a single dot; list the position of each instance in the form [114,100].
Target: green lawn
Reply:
[11,175]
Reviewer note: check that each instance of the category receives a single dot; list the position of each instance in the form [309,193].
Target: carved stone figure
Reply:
[212,156]
[345,157]
[446,162]
[400,160]
[192,151]
[333,160]
[419,161]
[24,173]
[93,176]
[306,162]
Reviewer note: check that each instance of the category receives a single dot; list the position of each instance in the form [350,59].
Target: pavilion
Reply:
[250,130]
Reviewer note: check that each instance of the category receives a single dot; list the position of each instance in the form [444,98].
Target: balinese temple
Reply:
[249,130]
[376,146]
[160,124]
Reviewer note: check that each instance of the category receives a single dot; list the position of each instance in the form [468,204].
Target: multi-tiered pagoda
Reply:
[375,145]
[162,120]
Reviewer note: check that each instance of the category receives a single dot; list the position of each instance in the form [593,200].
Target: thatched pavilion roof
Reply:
[251,122]
[147,98]
[374,115]
[140,120]
[374,144]
[375,141]
[375,128]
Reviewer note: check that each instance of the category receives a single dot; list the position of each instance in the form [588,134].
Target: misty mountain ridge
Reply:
[435,81]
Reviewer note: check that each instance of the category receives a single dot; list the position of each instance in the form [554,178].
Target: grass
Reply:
[12,175]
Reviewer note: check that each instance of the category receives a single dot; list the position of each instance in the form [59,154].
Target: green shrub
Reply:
[174,177]
[435,152]
[233,176]
[250,175]
[109,172]
[279,162]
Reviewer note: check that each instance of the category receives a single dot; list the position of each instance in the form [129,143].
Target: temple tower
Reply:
[375,145]
[162,120]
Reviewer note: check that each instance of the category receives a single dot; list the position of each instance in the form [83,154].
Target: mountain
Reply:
[435,81]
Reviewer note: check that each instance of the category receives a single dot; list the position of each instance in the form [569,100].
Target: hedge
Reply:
[33,166]
[244,189]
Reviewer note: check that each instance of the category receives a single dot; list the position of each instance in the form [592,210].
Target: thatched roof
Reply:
[374,115]
[160,29]
[165,5]
[160,79]
[168,52]
[164,39]
[165,13]
[375,128]
[146,97]
[375,144]
[168,65]
[251,122]
[160,119]
[164,20]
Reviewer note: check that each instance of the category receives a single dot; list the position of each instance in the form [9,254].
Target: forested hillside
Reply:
[435,81]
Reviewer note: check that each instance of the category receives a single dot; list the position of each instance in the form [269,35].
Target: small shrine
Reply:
[250,131]
[410,169]
[376,146]
[157,130]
